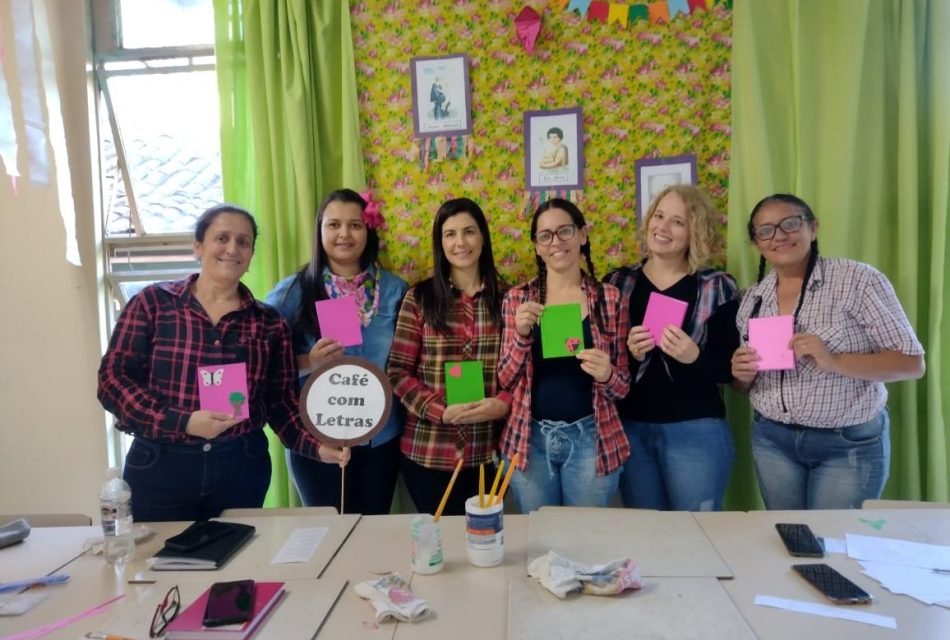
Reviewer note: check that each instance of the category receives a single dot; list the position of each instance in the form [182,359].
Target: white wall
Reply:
[52,433]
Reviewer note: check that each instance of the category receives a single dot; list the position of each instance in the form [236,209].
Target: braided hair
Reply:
[809,216]
[577,218]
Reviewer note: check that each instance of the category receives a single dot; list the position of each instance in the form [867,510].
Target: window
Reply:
[158,135]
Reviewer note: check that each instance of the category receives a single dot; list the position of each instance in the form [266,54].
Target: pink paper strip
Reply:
[663,311]
[223,387]
[770,338]
[339,319]
[39,632]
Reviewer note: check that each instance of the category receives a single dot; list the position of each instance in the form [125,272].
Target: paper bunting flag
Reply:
[580,6]
[598,11]
[639,12]
[677,7]
[659,12]
[618,13]
[528,25]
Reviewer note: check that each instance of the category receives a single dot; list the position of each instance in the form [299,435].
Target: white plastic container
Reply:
[484,533]
[426,552]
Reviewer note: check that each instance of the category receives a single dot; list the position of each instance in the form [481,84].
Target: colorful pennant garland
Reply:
[533,199]
[660,12]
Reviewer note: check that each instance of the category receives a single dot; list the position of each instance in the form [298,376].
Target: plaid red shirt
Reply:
[417,372]
[148,376]
[515,371]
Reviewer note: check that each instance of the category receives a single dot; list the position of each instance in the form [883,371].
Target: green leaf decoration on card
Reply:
[562,333]
[464,382]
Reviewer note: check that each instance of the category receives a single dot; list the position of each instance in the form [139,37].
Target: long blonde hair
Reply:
[700,220]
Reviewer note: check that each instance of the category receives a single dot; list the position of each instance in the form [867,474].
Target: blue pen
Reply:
[43,581]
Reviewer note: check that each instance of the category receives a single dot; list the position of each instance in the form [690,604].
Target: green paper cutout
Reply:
[464,382]
[561,329]
[876,524]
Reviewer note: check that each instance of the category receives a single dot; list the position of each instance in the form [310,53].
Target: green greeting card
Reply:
[562,333]
[464,382]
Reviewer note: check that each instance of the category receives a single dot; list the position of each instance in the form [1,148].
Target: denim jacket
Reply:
[377,337]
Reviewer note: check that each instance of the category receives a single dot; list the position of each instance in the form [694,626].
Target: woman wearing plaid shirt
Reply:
[820,432]
[453,316]
[188,463]
[682,449]
[564,424]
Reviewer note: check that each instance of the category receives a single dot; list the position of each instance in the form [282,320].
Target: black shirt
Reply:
[560,389]
[670,391]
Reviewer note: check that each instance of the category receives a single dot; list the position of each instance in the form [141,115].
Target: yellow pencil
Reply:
[481,486]
[504,485]
[448,490]
[494,485]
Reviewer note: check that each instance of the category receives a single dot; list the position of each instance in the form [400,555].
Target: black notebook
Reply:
[205,557]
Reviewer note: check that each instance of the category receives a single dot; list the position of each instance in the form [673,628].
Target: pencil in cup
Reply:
[504,485]
[448,490]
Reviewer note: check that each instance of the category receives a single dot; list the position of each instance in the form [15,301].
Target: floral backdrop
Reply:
[646,90]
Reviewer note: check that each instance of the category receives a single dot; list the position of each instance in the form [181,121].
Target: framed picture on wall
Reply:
[656,174]
[553,149]
[441,96]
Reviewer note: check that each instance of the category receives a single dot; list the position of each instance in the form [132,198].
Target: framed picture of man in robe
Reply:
[554,149]
[441,96]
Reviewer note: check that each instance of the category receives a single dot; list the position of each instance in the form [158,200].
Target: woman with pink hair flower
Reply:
[344,262]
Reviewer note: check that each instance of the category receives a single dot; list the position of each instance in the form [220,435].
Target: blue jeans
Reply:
[562,468]
[682,466]
[188,482]
[807,468]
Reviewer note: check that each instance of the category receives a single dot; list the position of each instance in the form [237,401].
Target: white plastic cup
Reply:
[426,551]
[484,533]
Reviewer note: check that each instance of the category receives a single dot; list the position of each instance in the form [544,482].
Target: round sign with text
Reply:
[346,402]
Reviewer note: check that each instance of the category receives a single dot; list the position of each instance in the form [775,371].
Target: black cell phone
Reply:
[835,586]
[229,603]
[198,535]
[800,541]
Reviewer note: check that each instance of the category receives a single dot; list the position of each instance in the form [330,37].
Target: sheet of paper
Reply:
[826,611]
[661,312]
[339,319]
[464,382]
[770,338]
[223,387]
[925,585]
[301,545]
[892,551]
[562,332]
[834,545]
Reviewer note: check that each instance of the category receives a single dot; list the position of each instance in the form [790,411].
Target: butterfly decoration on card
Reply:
[223,388]
[209,378]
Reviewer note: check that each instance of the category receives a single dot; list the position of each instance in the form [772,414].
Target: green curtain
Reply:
[289,133]
[847,104]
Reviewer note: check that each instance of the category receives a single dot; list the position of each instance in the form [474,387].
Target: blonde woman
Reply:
[674,417]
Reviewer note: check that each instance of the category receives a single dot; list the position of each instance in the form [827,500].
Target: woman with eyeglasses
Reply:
[451,318]
[681,445]
[189,462]
[564,424]
[344,263]
[820,435]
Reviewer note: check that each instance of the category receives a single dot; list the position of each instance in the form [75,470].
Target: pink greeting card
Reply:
[663,311]
[223,387]
[770,338]
[339,319]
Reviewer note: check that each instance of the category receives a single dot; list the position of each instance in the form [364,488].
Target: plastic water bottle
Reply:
[115,505]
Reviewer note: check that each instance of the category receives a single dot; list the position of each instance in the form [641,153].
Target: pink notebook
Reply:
[663,311]
[770,338]
[187,626]
[339,319]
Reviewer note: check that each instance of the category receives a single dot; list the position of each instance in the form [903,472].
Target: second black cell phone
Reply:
[835,586]
[800,541]
[198,535]
[229,603]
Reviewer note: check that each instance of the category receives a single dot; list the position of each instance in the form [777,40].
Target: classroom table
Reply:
[762,566]
[499,602]
[44,551]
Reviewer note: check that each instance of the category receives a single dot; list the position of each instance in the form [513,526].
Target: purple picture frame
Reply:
[655,174]
[552,163]
[441,95]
